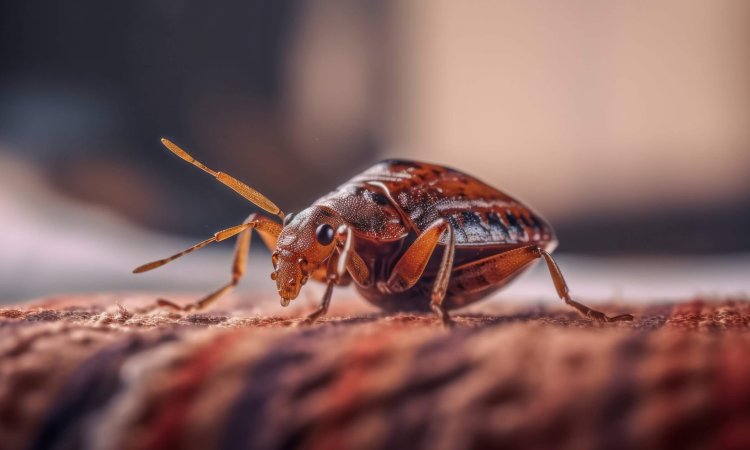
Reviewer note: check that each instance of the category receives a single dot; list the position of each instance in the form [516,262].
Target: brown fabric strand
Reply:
[83,373]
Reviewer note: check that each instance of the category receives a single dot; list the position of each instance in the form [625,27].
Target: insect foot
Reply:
[598,315]
[444,317]
[621,318]
[307,321]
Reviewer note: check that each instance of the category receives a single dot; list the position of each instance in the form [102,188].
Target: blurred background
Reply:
[624,123]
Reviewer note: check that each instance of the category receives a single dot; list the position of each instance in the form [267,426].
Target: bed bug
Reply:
[411,236]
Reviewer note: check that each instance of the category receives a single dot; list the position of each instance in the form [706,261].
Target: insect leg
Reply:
[332,278]
[443,277]
[563,292]
[339,264]
[497,269]
[412,263]
[268,230]
[358,269]
[323,308]
[493,270]
[349,262]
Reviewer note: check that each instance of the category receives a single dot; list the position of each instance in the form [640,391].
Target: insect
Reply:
[411,236]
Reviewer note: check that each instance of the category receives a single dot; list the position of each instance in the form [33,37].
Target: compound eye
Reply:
[288,218]
[324,234]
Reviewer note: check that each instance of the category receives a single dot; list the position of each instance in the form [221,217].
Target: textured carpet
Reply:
[85,373]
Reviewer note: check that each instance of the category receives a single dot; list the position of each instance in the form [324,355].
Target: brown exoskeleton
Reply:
[381,230]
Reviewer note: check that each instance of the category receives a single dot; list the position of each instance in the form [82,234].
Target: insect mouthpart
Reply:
[290,275]
[288,291]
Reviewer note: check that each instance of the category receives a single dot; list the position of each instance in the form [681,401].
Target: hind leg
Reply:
[497,269]
[563,292]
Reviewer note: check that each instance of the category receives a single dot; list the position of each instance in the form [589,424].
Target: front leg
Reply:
[323,308]
[343,259]
[355,266]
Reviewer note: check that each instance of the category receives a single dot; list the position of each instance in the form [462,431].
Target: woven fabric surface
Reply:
[83,373]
